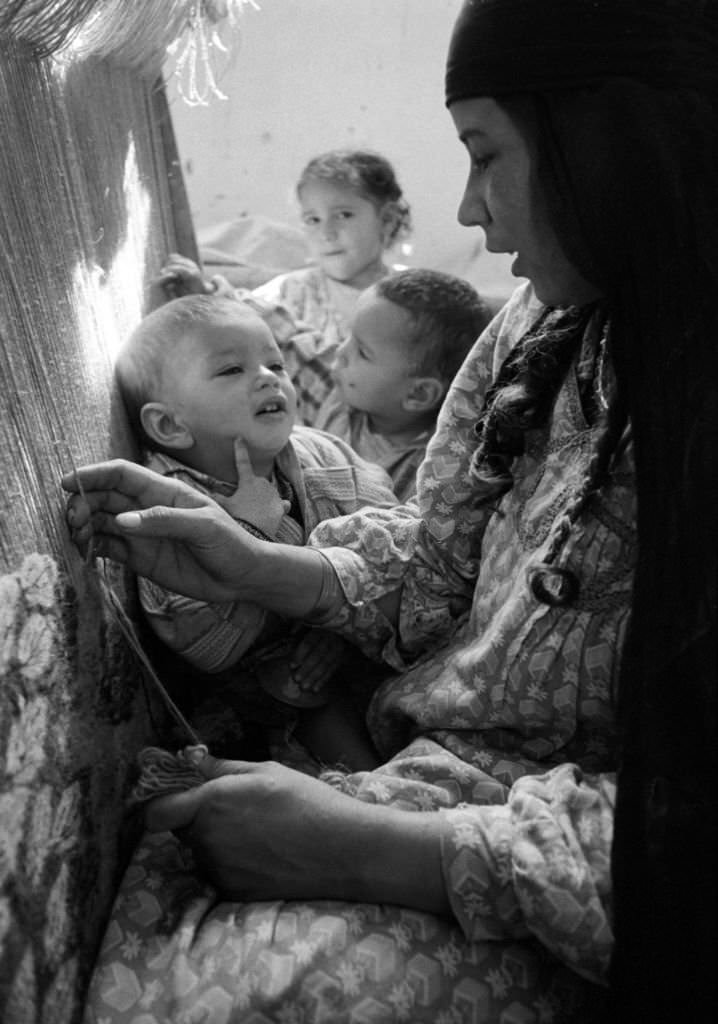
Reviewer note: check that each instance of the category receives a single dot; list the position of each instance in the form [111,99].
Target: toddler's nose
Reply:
[267,377]
[342,357]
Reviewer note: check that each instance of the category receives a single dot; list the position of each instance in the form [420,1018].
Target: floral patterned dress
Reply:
[500,718]
[304,294]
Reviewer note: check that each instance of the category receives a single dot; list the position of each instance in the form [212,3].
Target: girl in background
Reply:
[353,211]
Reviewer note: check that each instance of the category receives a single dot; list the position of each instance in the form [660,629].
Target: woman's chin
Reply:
[557,290]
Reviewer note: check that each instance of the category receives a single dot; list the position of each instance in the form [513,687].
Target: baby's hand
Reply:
[255,500]
[316,658]
[182,276]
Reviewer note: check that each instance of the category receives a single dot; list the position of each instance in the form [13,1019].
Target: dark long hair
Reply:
[629,173]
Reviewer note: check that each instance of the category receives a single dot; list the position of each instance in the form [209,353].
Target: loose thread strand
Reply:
[113,604]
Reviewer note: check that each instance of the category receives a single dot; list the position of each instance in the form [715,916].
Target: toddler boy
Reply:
[410,334]
[207,392]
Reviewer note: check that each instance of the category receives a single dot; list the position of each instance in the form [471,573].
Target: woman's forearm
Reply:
[264,831]
[285,579]
[397,858]
[301,583]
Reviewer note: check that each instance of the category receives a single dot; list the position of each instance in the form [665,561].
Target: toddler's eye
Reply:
[277,367]
[346,214]
[310,221]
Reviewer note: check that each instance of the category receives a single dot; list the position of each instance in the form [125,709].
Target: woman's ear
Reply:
[160,424]
[423,394]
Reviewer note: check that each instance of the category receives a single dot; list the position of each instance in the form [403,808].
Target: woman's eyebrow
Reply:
[471,133]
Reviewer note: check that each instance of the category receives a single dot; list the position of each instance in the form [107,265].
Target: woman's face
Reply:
[499,198]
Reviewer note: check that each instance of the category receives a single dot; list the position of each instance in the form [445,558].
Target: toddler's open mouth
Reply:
[272,405]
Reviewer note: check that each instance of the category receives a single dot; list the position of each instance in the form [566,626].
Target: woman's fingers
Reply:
[112,488]
[215,767]
[112,475]
[178,810]
[99,506]
[174,811]
[163,521]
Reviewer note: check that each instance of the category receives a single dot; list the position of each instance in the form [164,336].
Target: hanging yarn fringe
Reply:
[195,52]
[133,33]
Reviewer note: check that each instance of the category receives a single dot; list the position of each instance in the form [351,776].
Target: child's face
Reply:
[346,232]
[226,381]
[372,370]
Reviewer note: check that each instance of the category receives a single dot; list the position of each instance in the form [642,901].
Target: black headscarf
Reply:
[502,47]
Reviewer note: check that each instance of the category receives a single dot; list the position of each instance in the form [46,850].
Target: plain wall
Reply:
[310,75]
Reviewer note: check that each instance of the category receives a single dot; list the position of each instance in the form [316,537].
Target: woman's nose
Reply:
[472,209]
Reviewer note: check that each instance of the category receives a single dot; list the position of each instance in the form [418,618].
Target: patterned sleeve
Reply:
[539,865]
[429,547]
[211,637]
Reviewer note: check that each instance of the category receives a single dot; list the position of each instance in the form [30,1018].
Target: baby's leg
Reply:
[337,736]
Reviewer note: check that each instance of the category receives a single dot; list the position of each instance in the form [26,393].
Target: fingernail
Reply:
[128,520]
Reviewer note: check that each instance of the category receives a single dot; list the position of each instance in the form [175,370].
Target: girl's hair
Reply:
[369,174]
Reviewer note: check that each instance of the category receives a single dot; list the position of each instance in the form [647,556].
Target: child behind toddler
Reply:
[385,383]
[353,212]
[410,334]
[208,394]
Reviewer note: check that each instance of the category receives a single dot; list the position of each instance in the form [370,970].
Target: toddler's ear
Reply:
[423,394]
[160,424]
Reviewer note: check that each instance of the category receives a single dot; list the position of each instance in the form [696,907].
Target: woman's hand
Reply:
[263,831]
[165,530]
[160,528]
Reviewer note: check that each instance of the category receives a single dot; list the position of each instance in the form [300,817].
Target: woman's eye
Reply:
[480,163]
[229,371]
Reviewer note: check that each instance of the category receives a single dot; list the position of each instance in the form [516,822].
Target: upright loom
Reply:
[91,201]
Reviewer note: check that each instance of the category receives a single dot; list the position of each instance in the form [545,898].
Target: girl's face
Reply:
[346,232]
[499,198]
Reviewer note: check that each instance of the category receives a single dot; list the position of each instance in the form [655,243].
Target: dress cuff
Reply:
[331,596]
[476,854]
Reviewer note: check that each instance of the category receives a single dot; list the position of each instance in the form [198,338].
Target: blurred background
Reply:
[303,76]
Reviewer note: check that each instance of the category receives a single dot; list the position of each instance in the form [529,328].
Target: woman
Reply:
[591,131]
